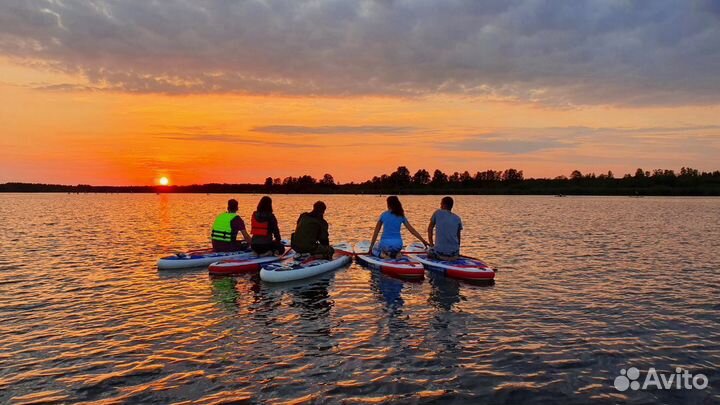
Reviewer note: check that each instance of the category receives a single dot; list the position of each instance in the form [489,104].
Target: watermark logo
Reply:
[680,380]
[627,378]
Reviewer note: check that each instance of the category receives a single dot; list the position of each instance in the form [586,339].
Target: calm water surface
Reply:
[585,287]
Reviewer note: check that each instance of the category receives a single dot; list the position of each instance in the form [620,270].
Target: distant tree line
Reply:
[687,181]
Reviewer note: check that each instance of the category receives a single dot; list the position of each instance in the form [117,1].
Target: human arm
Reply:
[324,233]
[246,236]
[238,226]
[430,228]
[275,229]
[460,227]
[416,233]
[374,237]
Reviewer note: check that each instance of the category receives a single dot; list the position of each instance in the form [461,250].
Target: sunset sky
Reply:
[126,92]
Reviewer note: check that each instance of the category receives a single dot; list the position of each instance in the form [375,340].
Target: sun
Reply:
[164,181]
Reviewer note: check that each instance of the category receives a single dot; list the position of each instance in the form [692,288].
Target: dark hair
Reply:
[395,206]
[447,202]
[265,205]
[232,205]
[319,207]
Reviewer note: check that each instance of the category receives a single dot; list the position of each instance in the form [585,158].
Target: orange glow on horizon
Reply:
[115,138]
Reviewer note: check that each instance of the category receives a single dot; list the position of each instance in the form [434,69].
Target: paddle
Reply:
[282,256]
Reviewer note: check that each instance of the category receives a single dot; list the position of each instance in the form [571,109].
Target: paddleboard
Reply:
[250,264]
[463,268]
[403,266]
[300,267]
[198,258]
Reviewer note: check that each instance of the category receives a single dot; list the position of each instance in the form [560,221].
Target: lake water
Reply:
[586,286]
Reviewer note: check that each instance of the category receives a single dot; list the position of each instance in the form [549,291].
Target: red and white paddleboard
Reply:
[251,264]
[463,268]
[402,267]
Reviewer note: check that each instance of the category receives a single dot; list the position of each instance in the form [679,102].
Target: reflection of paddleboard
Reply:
[198,258]
[251,264]
[301,267]
[402,267]
[464,268]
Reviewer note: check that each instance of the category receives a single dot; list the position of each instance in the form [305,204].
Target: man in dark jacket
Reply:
[311,233]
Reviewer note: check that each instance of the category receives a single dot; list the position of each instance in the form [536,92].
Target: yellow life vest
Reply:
[222,229]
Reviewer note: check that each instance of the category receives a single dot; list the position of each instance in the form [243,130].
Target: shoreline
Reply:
[448,192]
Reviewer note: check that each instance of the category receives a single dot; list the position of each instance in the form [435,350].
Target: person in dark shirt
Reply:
[311,234]
[226,228]
[264,228]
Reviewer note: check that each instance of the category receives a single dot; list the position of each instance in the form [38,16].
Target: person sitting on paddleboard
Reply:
[311,233]
[265,231]
[449,225]
[225,230]
[390,221]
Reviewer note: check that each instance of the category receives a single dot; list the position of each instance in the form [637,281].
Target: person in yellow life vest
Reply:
[264,228]
[226,228]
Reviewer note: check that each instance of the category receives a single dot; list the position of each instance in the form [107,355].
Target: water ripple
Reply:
[586,286]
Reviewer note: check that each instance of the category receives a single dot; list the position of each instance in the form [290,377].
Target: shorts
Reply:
[317,250]
[220,246]
[390,248]
[261,248]
[434,254]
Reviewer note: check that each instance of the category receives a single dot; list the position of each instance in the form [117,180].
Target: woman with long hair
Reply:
[390,221]
[264,228]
